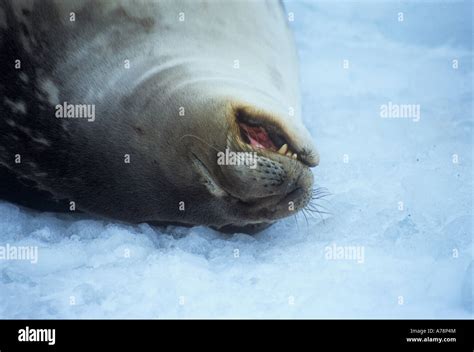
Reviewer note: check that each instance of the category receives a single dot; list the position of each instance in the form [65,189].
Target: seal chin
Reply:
[263,175]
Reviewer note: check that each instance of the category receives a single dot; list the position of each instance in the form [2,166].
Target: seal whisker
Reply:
[296,221]
[306,218]
[318,193]
[203,141]
[315,210]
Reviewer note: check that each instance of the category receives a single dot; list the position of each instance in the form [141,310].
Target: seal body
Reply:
[125,109]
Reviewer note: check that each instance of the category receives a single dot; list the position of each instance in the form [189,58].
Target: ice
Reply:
[399,196]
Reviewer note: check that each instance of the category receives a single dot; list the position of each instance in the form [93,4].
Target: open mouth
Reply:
[282,177]
[261,134]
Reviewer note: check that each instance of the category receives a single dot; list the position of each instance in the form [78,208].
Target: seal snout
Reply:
[264,173]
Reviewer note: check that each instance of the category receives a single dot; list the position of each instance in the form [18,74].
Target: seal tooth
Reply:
[295,156]
[283,149]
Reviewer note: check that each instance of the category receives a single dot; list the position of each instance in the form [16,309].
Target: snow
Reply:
[397,197]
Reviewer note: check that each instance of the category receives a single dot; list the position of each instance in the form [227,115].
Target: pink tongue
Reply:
[258,137]
[255,143]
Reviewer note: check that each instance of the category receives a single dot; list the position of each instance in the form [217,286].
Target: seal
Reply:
[143,111]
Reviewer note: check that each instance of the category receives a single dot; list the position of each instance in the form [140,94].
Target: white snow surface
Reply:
[417,260]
